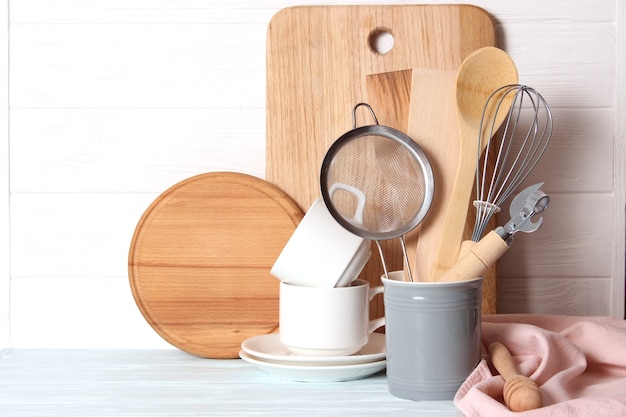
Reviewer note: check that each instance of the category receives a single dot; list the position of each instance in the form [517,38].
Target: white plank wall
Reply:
[5,271]
[113,101]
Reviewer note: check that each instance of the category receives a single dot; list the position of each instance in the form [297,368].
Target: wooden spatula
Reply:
[432,124]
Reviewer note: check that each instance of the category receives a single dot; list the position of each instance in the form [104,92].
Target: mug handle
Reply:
[360,196]
[379,322]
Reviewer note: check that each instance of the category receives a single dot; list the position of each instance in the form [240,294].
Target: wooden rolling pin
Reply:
[520,392]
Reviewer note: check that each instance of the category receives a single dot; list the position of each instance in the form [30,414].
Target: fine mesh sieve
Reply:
[381,174]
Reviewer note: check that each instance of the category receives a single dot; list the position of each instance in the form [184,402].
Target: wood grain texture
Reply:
[200,258]
[318,62]
[389,93]
[432,123]
[520,392]
[477,259]
[74,382]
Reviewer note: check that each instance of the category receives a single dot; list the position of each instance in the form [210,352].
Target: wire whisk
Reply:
[512,151]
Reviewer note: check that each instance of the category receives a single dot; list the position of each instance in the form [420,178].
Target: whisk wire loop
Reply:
[518,145]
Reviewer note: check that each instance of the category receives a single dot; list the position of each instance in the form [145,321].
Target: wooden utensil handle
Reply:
[520,392]
[478,258]
[502,360]
[466,247]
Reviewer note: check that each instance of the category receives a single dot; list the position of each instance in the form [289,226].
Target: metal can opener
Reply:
[528,203]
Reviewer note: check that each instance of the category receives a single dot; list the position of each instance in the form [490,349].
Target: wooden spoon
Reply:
[520,392]
[480,74]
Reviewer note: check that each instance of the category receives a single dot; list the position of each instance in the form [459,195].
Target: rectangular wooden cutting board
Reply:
[319,60]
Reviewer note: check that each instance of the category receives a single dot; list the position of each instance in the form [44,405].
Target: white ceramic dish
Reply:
[307,373]
[268,348]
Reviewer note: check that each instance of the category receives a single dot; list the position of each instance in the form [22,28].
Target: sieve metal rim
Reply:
[412,147]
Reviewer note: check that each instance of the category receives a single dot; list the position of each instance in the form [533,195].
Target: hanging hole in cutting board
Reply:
[381,41]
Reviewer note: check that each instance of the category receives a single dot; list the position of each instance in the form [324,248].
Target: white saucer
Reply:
[269,349]
[307,373]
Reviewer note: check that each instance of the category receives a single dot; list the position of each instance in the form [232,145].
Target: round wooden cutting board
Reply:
[200,258]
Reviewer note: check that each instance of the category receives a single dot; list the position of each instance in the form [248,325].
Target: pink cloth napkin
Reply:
[578,362]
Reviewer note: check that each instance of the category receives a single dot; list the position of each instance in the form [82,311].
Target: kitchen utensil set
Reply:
[388,171]
[206,291]
[482,72]
[320,63]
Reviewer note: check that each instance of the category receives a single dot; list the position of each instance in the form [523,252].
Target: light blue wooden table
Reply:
[172,383]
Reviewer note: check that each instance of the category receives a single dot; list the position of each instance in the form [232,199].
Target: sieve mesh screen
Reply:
[390,178]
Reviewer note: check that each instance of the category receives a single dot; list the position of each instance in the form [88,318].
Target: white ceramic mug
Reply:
[321,252]
[327,321]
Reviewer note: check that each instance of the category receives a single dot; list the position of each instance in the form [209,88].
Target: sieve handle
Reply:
[477,260]
[360,196]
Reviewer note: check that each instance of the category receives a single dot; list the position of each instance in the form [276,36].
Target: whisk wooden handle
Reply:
[466,247]
[477,260]
[520,392]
